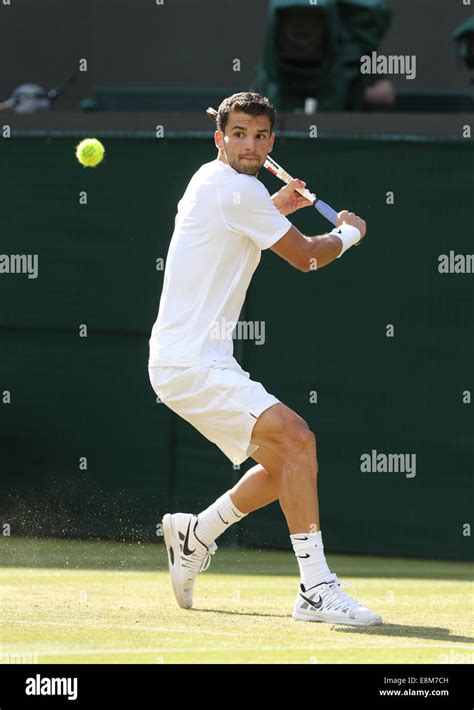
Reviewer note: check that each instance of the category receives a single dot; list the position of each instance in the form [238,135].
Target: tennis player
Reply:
[225,219]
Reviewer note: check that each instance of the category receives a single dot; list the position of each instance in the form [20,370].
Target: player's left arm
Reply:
[311,253]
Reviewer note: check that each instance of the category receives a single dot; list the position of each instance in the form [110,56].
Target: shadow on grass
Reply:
[432,633]
[398,631]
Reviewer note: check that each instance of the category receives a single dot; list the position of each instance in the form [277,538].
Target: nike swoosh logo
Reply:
[316,605]
[224,521]
[303,556]
[301,538]
[186,550]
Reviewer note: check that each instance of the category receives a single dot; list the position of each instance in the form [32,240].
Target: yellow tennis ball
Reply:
[90,152]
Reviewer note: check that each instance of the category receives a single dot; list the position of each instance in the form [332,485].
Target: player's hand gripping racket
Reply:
[277,170]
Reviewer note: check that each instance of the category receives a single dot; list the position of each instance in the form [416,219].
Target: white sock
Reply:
[218,517]
[309,551]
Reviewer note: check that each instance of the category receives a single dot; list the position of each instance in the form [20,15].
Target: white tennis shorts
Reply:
[219,400]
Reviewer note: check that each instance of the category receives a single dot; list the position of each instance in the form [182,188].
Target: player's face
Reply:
[246,143]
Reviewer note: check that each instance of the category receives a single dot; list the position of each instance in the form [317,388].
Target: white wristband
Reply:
[348,234]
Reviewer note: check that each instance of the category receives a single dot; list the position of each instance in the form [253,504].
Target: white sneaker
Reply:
[326,601]
[186,554]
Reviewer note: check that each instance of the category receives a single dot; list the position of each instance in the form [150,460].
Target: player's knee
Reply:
[303,437]
[298,441]
[288,435]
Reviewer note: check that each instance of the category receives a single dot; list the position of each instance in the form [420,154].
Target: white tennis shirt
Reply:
[224,221]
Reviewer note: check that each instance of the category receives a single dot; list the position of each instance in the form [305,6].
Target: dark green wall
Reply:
[325,331]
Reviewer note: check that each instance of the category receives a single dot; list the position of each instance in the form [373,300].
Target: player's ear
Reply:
[217,138]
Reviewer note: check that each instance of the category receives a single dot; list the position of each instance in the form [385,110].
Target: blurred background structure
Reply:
[174,58]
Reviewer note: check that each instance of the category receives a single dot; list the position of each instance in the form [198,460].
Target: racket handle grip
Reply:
[326,211]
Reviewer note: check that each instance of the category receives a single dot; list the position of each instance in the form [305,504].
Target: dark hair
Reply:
[247,102]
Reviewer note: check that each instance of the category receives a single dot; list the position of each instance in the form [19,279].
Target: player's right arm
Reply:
[310,253]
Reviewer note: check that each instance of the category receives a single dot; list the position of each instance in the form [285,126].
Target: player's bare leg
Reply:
[260,485]
[320,596]
[285,434]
